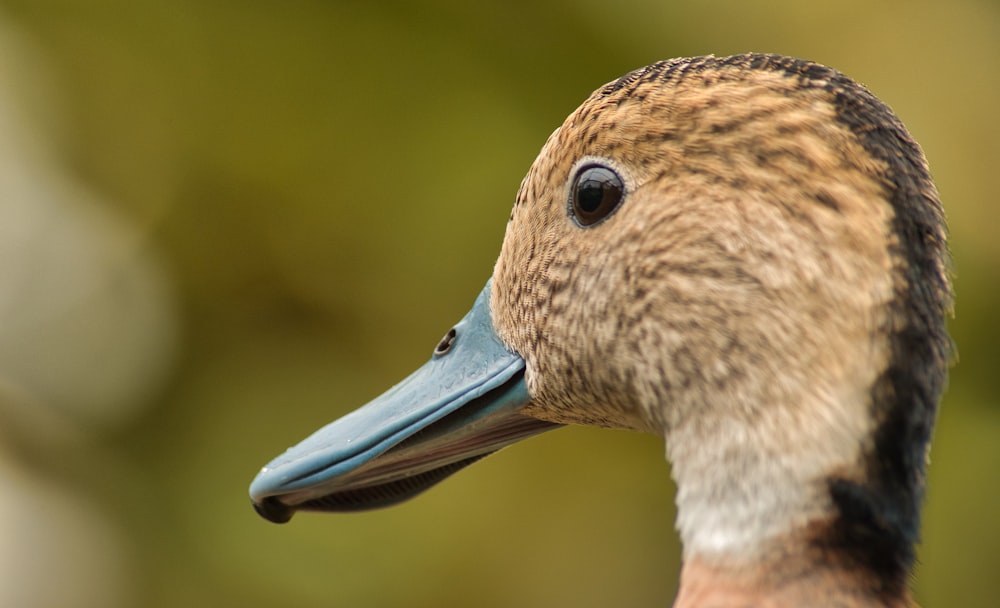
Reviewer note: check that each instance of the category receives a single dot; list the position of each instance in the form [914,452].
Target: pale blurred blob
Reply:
[86,324]
[87,331]
[57,550]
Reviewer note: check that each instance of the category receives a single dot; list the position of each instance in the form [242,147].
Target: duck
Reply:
[746,256]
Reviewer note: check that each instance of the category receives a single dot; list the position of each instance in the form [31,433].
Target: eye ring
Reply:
[596,192]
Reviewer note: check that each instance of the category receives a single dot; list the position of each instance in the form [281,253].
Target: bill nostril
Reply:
[446,343]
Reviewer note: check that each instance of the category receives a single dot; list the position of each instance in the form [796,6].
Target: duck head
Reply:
[743,255]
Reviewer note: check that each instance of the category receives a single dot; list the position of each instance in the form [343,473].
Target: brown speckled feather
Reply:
[770,298]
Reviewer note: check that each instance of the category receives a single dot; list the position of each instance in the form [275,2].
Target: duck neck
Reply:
[765,524]
[790,579]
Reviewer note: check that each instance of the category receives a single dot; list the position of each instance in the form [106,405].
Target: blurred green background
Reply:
[224,223]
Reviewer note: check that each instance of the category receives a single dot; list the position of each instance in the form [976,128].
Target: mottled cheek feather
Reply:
[769,297]
[731,191]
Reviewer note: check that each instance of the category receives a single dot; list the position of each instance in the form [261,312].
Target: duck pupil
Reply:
[597,192]
[591,195]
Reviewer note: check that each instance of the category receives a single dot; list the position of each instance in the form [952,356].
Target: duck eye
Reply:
[597,191]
